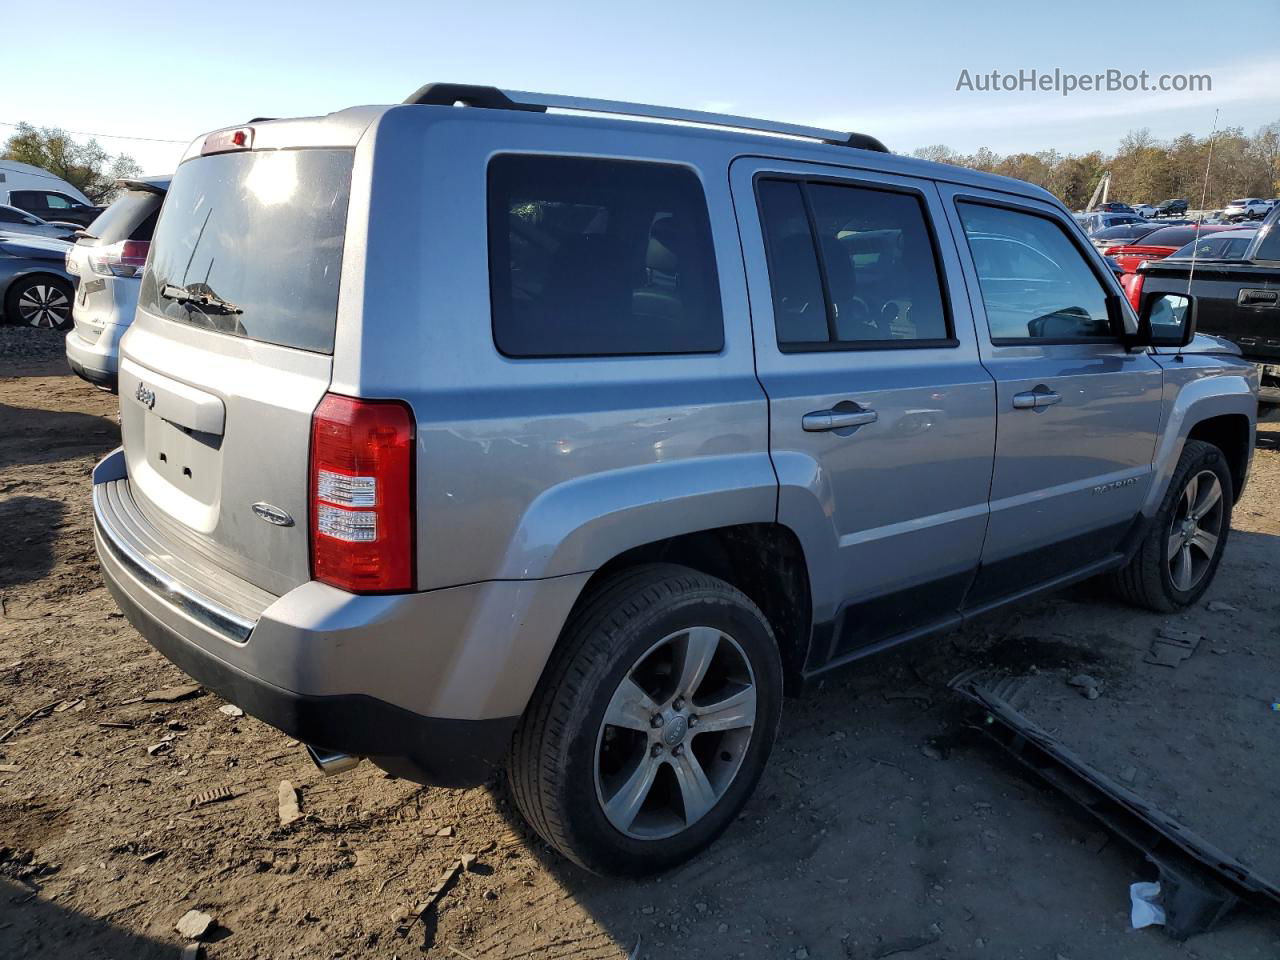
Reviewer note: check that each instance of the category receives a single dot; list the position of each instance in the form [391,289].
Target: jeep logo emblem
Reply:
[146,396]
[273,514]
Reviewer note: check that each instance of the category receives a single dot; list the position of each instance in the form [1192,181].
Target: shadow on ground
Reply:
[33,927]
[30,527]
[34,436]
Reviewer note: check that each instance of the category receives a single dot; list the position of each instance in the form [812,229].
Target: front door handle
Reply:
[837,419]
[1034,399]
[1258,298]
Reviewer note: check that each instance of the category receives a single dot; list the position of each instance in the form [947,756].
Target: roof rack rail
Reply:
[470,95]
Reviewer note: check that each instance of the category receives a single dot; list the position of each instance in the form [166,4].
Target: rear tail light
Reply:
[362,523]
[123,259]
[1132,284]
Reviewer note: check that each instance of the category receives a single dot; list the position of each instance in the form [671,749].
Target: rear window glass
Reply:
[250,244]
[1125,230]
[1222,246]
[131,217]
[593,257]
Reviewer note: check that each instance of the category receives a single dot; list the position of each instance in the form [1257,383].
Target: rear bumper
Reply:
[95,360]
[427,685]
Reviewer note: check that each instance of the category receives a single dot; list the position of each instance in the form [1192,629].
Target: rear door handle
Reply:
[1034,399]
[837,419]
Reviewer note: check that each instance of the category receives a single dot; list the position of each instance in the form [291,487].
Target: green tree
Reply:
[86,166]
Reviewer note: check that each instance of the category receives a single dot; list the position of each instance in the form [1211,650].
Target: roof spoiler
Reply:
[143,185]
[491,98]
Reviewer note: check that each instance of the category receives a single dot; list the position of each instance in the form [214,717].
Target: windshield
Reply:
[250,244]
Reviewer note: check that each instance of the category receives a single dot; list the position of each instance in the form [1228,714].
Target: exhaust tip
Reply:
[330,761]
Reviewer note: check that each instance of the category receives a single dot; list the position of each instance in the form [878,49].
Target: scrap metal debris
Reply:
[1199,883]
[1171,647]
[172,694]
[214,795]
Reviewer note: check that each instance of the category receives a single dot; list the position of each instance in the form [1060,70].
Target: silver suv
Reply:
[480,435]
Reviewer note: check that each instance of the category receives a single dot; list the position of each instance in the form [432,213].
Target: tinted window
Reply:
[1035,283]
[1221,246]
[131,217]
[1124,232]
[600,258]
[26,199]
[255,241]
[877,259]
[799,307]
[1269,248]
[10,215]
[1173,236]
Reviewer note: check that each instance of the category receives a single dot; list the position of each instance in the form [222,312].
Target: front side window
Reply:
[592,257]
[1036,284]
[850,267]
[58,201]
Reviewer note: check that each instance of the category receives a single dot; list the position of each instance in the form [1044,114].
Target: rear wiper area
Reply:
[200,296]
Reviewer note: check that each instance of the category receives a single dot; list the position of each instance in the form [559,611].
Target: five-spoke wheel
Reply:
[652,722]
[675,732]
[1194,530]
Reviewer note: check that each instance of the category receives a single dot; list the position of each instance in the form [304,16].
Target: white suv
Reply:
[108,260]
[1248,208]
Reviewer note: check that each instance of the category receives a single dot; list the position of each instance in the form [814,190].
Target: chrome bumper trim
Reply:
[176,594]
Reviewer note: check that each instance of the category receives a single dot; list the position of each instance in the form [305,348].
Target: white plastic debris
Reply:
[1145,910]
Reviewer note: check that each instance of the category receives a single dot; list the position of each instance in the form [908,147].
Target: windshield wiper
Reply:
[200,296]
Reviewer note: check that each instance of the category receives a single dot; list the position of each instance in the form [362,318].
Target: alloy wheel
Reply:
[44,305]
[675,733]
[1195,530]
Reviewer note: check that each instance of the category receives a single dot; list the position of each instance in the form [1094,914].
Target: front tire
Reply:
[651,724]
[1181,551]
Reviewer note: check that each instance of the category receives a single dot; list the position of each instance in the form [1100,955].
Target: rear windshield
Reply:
[131,217]
[250,245]
[1127,230]
[1222,246]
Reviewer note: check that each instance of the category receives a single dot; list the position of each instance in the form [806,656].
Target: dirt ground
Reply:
[882,827]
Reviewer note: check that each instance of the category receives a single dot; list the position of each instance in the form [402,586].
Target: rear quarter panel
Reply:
[531,468]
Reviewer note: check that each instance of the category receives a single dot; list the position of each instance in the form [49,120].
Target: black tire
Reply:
[554,761]
[1148,580]
[40,301]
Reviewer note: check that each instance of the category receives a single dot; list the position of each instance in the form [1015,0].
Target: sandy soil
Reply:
[882,827]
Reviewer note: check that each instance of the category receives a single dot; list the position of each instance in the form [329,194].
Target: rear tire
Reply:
[40,301]
[616,764]
[1180,553]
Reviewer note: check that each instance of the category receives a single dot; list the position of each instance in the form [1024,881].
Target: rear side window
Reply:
[131,217]
[250,244]
[1036,285]
[851,267]
[593,257]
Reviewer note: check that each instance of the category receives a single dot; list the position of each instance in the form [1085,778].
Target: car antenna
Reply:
[1204,193]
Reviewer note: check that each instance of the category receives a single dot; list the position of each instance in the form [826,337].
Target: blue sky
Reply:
[174,70]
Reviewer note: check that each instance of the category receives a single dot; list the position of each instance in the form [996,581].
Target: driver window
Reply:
[57,201]
[851,268]
[1035,283]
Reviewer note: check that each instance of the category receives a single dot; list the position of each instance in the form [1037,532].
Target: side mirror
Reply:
[1166,320]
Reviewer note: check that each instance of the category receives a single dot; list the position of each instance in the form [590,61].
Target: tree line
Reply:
[86,166]
[1143,168]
